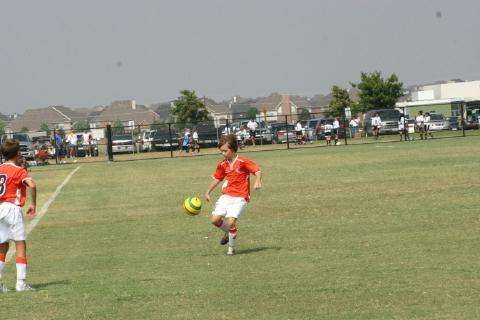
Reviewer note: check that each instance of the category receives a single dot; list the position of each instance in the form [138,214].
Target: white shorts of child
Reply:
[228,206]
[11,223]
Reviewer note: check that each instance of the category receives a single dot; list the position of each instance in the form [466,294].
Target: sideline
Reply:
[42,212]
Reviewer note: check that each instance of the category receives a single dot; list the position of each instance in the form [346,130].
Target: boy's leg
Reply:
[21,263]
[218,222]
[3,254]
[232,235]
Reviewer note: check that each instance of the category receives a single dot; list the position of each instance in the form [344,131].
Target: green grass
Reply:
[384,231]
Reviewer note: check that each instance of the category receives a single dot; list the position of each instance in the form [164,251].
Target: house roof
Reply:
[4,118]
[52,115]
[127,110]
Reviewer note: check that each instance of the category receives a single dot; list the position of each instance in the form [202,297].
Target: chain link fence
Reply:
[170,140]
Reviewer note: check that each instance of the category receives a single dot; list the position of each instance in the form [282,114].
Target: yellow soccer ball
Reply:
[192,206]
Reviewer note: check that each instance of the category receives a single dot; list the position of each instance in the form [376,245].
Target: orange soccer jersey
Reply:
[12,187]
[237,173]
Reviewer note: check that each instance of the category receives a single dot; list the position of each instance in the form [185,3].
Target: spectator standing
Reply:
[298,132]
[353,127]
[336,128]
[426,124]
[72,142]
[327,131]
[252,127]
[186,141]
[195,142]
[376,124]
[87,143]
[401,127]
[13,181]
[419,121]
[235,191]
[59,148]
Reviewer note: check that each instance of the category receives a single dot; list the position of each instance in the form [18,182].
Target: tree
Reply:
[252,113]
[377,93]
[189,108]
[340,101]
[81,126]
[118,128]
[2,127]
[44,127]
[305,114]
[24,129]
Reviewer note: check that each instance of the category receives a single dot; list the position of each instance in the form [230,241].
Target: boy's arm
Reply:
[212,186]
[258,180]
[32,208]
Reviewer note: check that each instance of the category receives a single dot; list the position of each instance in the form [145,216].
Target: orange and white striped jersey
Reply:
[12,186]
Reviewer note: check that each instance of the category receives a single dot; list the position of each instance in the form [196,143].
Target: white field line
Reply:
[42,212]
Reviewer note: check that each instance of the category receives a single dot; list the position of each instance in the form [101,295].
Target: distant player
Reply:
[13,182]
[236,189]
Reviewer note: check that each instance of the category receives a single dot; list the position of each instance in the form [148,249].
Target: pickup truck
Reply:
[26,145]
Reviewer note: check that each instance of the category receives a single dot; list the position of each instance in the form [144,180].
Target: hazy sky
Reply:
[88,52]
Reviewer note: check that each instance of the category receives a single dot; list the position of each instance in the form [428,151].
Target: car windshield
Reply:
[20,137]
[389,115]
[436,116]
[123,137]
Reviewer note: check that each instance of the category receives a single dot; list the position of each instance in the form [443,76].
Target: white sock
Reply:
[232,236]
[21,269]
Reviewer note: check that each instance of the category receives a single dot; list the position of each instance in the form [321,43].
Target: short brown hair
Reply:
[229,139]
[10,148]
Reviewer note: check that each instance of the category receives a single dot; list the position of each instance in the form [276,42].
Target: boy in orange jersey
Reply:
[236,189]
[13,182]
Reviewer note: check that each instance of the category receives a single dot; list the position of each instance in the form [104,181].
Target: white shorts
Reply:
[228,206]
[11,223]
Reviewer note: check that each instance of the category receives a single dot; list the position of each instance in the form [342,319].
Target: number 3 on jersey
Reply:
[3,184]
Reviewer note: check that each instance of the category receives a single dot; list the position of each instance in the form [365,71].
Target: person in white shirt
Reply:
[401,127]
[353,127]
[420,121]
[336,127]
[252,127]
[327,131]
[426,125]
[376,124]
[196,145]
[72,141]
[298,132]
[87,143]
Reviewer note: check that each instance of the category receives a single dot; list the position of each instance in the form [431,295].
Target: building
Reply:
[448,98]
[55,117]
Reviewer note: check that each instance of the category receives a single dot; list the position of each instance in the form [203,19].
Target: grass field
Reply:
[380,231]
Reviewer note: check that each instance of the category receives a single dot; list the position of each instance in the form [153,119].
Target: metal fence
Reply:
[170,140]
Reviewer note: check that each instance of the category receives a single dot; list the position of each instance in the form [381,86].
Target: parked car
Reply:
[164,140]
[145,141]
[208,134]
[279,132]
[311,128]
[437,121]
[389,118]
[82,147]
[123,143]
[26,145]
[452,123]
